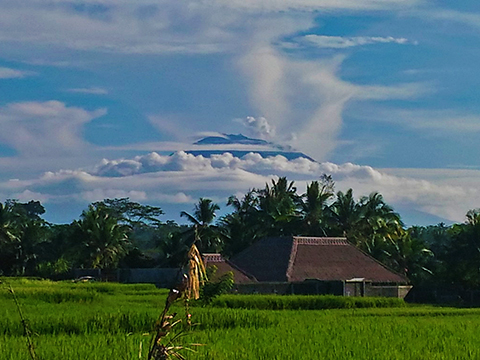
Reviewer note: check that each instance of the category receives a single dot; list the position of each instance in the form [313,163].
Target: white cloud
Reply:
[310,5]
[7,73]
[148,27]
[304,99]
[90,90]
[50,128]
[182,178]
[340,42]
[157,26]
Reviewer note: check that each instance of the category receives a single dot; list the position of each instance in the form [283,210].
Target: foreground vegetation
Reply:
[106,321]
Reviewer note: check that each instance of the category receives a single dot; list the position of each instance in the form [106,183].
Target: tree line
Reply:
[121,233]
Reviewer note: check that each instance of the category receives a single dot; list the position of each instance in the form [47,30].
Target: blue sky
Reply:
[95,95]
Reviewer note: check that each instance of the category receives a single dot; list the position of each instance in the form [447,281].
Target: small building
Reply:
[310,265]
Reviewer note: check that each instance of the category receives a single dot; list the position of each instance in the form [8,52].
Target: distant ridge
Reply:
[266,148]
[227,139]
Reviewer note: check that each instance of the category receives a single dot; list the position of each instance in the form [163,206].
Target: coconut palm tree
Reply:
[32,236]
[203,231]
[345,214]
[313,205]
[242,227]
[9,240]
[104,239]
[7,226]
[279,207]
[409,256]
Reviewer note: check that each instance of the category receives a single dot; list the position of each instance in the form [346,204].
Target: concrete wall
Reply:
[399,291]
[162,277]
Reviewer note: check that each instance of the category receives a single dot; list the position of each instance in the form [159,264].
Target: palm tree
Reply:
[242,227]
[174,246]
[104,238]
[33,234]
[313,209]
[203,231]
[373,206]
[7,227]
[473,217]
[462,258]
[409,256]
[278,205]
[9,240]
[345,214]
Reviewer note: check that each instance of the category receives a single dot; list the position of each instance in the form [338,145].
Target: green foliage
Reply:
[132,213]
[463,256]
[203,232]
[213,288]
[303,302]
[49,269]
[22,234]
[104,239]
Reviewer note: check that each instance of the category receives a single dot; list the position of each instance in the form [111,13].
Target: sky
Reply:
[103,99]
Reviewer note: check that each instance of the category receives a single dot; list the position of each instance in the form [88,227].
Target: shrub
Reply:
[211,289]
[303,302]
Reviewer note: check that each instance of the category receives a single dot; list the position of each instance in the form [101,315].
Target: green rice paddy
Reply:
[113,321]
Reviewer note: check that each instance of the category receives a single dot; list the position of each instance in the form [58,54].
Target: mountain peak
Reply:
[230,139]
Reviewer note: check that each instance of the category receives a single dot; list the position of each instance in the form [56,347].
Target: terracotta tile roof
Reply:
[224,266]
[299,258]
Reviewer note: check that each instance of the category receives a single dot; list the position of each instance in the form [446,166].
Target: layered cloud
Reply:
[305,99]
[340,42]
[90,90]
[182,178]
[148,26]
[8,73]
[38,129]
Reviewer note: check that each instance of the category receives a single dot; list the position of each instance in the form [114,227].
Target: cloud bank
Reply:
[39,129]
[182,178]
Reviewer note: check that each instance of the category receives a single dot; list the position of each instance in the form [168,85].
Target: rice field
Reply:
[112,321]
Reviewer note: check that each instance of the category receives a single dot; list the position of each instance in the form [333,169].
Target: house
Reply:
[310,265]
[223,266]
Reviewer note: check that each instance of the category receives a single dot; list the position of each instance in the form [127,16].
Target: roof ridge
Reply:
[308,240]
[213,257]
[293,255]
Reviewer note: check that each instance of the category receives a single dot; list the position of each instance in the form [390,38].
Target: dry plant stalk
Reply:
[196,273]
[26,330]
[189,288]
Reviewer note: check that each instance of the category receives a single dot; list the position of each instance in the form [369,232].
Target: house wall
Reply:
[399,291]
[162,277]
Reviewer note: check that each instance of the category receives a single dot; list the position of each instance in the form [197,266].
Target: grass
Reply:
[303,302]
[113,321]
